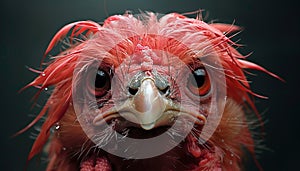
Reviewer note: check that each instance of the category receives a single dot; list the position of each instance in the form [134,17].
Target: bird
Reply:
[147,92]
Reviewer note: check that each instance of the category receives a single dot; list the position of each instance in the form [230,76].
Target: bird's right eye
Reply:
[100,84]
[198,82]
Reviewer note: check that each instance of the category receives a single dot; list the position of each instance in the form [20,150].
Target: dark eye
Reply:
[100,84]
[198,82]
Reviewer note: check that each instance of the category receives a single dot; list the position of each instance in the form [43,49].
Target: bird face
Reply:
[151,97]
[152,94]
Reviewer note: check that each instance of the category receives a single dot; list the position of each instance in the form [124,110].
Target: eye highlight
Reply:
[198,82]
[99,84]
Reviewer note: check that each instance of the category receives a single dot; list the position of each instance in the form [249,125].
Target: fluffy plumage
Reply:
[114,41]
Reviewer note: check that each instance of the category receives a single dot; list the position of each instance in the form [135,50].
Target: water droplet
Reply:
[57,127]
[64,148]
[46,89]
[230,162]
[232,155]
[43,74]
[222,140]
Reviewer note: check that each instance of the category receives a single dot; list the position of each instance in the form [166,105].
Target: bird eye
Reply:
[198,82]
[100,85]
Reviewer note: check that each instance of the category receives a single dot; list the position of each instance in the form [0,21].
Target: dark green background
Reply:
[271,32]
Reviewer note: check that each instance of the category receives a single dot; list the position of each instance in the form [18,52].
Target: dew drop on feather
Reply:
[57,127]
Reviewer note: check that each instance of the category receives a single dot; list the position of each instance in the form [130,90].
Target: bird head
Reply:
[146,92]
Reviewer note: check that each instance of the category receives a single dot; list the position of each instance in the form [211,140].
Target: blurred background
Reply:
[271,32]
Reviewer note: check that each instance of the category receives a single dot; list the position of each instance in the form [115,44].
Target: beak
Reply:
[148,104]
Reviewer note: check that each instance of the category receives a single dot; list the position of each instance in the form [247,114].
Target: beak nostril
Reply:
[165,91]
[132,91]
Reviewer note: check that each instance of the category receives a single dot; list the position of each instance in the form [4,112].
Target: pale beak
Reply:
[149,104]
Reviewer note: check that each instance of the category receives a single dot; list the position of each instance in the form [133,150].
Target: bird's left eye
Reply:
[198,82]
[101,84]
